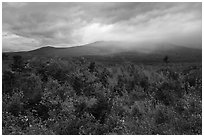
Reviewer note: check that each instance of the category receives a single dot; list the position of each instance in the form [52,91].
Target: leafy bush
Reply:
[76,96]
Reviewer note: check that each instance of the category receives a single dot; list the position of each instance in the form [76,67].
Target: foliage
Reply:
[18,64]
[79,97]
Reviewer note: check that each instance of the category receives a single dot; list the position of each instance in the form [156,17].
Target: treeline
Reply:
[75,96]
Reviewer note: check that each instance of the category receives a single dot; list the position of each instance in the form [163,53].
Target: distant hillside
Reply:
[123,50]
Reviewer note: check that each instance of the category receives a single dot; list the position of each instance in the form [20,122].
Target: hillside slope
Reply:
[125,51]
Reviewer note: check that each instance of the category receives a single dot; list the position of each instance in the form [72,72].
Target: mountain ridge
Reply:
[117,49]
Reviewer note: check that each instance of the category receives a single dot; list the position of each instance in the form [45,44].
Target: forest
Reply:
[77,96]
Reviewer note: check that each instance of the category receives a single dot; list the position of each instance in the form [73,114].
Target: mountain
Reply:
[126,50]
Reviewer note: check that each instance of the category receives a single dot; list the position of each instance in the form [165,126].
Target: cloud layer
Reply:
[28,26]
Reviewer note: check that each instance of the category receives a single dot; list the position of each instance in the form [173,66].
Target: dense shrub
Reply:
[76,96]
[8,82]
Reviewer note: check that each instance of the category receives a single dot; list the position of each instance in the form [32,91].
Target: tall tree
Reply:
[4,56]
[166,59]
[18,64]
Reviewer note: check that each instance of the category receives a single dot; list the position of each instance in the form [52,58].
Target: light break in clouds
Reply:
[28,26]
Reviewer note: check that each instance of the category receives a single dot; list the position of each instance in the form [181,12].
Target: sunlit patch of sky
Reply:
[71,24]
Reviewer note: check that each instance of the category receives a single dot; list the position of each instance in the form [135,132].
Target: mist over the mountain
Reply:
[73,24]
[119,51]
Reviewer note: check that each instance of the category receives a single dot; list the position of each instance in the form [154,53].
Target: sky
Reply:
[27,26]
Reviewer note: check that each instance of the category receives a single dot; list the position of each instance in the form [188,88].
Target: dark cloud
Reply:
[78,23]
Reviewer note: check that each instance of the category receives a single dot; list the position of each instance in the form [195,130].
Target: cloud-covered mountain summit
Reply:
[28,26]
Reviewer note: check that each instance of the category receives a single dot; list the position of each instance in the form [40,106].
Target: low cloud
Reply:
[30,25]
[12,42]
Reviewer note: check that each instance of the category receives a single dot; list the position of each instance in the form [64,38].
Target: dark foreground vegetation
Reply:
[78,96]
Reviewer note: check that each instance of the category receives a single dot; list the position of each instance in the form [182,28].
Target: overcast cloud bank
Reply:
[27,26]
